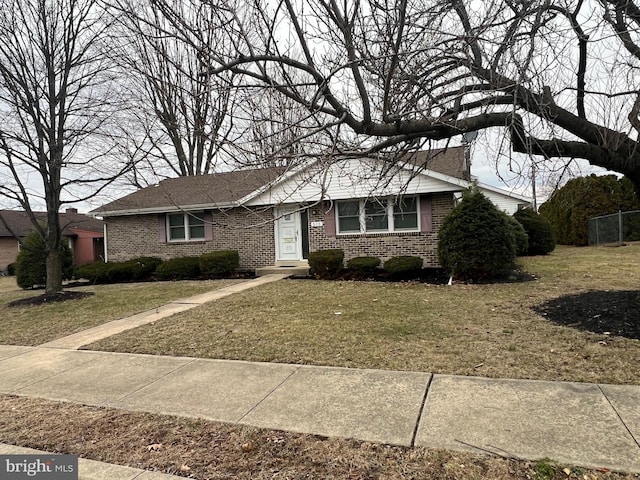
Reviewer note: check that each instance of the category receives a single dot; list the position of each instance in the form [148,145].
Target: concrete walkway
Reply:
[574,423]
[105,330]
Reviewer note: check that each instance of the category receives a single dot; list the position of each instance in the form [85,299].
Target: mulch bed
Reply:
[605,312]
[44,299]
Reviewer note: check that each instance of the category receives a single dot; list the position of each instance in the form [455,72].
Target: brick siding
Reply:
[386,245]
[250,231]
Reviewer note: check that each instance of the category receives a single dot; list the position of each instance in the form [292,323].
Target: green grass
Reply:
[34,325]
[487,330]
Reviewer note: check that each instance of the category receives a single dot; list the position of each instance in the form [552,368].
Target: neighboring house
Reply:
[277,216]
[85,235]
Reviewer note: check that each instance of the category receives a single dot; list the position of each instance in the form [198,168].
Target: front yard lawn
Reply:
[487,330]
[34,325]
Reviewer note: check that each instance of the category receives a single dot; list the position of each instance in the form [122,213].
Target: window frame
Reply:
[390,213]
[187,226]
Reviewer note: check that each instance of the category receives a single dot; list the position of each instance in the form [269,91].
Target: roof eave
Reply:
[507,193]
[156,210]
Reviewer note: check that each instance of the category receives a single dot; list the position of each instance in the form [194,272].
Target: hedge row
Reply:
[209,265]
[329,264]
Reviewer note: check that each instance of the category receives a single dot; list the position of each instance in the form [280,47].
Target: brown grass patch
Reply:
[488,330]
[207,450]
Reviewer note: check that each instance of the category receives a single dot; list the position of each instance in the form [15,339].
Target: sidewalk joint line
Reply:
[17,354]
[421,411]
[268,394]
[636,441]
[155,381]
[57,374]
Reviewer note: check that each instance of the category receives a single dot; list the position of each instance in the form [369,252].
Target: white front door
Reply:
[288,235]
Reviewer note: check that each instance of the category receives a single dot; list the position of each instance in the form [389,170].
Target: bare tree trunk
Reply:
[57,109]
[54,272]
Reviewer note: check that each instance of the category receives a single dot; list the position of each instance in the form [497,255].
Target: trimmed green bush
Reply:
[180,268]
[475,240]
[538,230]
[30,266]
[519,235]
[96,272]
[403,266]
[326,264]
[362,267]
[143,268]
[134,270]
[219,263]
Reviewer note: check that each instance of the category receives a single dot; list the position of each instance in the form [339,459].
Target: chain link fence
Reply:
[616,228]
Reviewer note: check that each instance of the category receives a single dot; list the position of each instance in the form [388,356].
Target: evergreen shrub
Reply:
[520,236]
[180,268]
[31,265]
[134,270]
[476,241]
[362,267]
[538,230]
[326,264]
[570,207]
[403,266]
[219,263]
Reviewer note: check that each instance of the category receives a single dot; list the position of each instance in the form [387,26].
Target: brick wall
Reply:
[386,245]
[250,231]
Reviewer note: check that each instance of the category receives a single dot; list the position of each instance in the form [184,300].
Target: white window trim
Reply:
[185,224]
[390,217]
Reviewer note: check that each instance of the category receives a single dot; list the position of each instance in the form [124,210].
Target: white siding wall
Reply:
[503,202]
[355,178]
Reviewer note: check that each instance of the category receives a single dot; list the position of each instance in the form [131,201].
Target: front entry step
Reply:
[295,269]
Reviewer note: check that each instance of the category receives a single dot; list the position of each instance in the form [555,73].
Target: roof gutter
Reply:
[165,209]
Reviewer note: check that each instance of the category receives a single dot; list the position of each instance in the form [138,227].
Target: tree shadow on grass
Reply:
[612,312]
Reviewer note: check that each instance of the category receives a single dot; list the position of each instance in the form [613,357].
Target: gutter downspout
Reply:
[106,255]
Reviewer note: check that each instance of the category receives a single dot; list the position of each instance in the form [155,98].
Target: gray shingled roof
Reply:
[451,161]
[222,189]
[21,225]
[227,188]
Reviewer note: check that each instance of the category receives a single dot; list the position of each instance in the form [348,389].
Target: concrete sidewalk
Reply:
[92,470]
[576,424]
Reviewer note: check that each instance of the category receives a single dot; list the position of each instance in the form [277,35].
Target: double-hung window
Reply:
[405,214]
[185,227]
[378,215]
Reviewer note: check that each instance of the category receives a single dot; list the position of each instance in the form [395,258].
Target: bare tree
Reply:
[55,104]
[559,78]
[180,115]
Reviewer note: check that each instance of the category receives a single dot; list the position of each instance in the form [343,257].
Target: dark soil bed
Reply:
[58,297]
[606,312]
